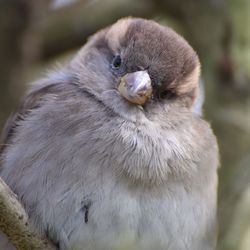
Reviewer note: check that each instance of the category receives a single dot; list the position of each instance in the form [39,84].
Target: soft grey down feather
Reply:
[97,173]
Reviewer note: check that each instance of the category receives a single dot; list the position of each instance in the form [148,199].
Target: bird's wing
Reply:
[31,101]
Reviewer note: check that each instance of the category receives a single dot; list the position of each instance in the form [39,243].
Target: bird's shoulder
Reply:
[58,85]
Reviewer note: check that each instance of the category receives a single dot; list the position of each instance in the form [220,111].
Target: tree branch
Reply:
[14,223]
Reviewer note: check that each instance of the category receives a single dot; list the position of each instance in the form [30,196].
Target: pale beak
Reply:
[136,87]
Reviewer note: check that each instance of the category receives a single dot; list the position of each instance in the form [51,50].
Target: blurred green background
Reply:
[35,35]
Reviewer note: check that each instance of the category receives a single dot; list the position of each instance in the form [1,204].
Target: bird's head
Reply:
[137,63]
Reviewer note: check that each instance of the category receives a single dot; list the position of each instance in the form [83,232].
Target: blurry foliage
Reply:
[34,33]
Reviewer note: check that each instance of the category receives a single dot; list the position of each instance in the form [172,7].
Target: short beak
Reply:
[136,87]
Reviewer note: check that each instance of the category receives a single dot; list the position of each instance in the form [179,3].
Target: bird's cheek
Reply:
[136,87]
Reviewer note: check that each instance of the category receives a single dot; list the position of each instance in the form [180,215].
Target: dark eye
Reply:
[117,62]
[167,94]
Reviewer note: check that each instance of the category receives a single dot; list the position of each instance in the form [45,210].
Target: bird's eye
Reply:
[167,94]
[117,62]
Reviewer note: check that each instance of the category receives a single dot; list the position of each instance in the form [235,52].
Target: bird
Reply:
[109,152]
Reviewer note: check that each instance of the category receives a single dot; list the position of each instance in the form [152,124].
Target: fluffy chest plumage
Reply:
[107,183]
[113,194]
[127,216]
